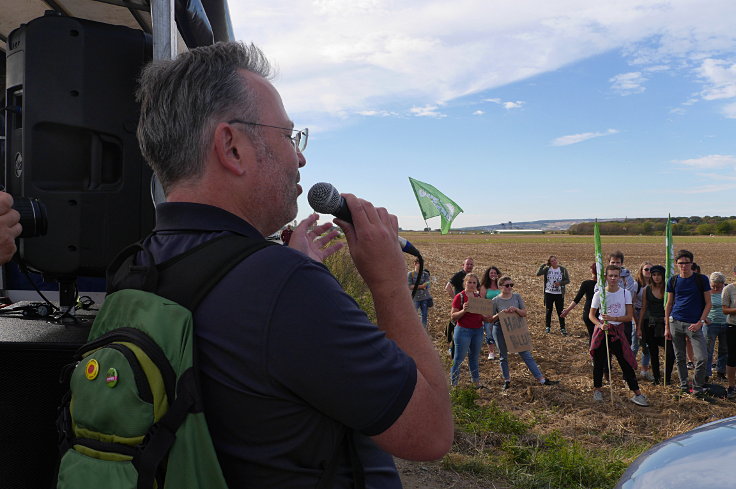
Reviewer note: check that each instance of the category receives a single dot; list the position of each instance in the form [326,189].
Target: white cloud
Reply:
[579,138]
[628,83]
[707,189]
[730,111]
[508,105]
[427,111]
[720,79]
[337,58]
[513,105]
[377,113]
[710,161]
[478,112]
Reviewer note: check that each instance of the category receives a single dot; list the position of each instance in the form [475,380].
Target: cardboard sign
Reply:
[515,332]
[479,305]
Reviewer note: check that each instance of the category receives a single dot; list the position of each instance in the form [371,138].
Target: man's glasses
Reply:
[508,285]
[684,262]
[299,140]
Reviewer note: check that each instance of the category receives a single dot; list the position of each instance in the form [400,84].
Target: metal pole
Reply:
[164,29]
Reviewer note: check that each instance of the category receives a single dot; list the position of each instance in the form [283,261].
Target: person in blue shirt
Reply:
[294,375]
[688,305]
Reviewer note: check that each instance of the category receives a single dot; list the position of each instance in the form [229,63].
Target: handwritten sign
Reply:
[515,332]
[479,305]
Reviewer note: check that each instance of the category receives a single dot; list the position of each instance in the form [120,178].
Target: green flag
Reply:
[599,267]
[669,267]
[434,203]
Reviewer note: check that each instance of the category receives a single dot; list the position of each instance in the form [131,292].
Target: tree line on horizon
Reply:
[681,226]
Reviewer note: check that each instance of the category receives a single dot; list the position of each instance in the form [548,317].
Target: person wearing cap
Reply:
[650,324]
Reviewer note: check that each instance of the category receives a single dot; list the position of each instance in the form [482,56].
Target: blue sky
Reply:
[518,112]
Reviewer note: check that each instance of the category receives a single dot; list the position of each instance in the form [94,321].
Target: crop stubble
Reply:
[568,407]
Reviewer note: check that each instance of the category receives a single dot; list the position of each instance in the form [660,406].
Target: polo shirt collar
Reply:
[177,216]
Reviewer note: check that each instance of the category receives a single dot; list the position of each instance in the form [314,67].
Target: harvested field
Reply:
[568,408]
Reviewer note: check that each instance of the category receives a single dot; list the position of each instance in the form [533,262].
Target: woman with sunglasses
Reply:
[512,303]
[643,278]
[488,290]
[468,334]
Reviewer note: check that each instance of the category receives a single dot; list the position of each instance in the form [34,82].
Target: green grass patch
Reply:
[510,449]
[342,267]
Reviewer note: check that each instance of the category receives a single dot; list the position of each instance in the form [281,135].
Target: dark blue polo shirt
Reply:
[287,359]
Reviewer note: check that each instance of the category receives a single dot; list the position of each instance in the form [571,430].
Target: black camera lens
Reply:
[33,216]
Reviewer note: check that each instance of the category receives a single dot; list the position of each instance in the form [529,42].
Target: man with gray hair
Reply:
[300,388]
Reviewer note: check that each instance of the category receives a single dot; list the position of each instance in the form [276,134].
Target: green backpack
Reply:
[134,406]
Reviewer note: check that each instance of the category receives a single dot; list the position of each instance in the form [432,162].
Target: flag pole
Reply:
[608,356]
[669,266]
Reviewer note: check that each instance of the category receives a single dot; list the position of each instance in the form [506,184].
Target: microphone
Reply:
[325,199]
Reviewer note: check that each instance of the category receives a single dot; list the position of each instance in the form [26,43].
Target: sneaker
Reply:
[506,385]
[563,331]
[690,365]
[598,396]
[640,400]
[647,375]
[491,356]
[546,330]
[549,382]
[731,392]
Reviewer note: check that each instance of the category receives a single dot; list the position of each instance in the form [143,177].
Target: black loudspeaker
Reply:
[71,143]
[32,355]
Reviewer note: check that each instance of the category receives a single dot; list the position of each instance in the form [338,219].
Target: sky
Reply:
[518,111]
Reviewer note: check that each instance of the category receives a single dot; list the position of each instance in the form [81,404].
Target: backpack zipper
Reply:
[141,381]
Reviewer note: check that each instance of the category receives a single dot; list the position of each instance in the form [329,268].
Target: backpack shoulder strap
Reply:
[672,284]
[204,265]
[187,278]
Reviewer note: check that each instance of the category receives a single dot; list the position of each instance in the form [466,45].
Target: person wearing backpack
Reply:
[688,305]
[299,388]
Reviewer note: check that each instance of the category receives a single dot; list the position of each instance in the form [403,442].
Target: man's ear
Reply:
[234,149]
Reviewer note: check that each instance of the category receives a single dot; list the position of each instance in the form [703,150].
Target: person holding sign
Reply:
[468,335]
[509,303]
[609,335]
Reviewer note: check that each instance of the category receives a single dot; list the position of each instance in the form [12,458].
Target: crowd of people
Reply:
[636,319]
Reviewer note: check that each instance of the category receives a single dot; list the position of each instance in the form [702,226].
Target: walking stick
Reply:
[608,356]
[665,359]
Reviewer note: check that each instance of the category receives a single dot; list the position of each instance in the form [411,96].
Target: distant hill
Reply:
[545,225]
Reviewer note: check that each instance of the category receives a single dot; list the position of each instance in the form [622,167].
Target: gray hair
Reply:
[718,277]
[182,101]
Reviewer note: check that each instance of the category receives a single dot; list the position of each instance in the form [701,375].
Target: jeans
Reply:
[423,308]
[467,342]
[488,332]
[711,332]
[697,339]
[503,356]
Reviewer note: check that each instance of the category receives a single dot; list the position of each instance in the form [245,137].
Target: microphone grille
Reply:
[324,198]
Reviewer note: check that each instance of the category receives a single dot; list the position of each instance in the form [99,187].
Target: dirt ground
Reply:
[567,408]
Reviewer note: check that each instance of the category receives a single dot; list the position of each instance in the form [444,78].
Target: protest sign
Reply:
[515,332]
[479,305]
